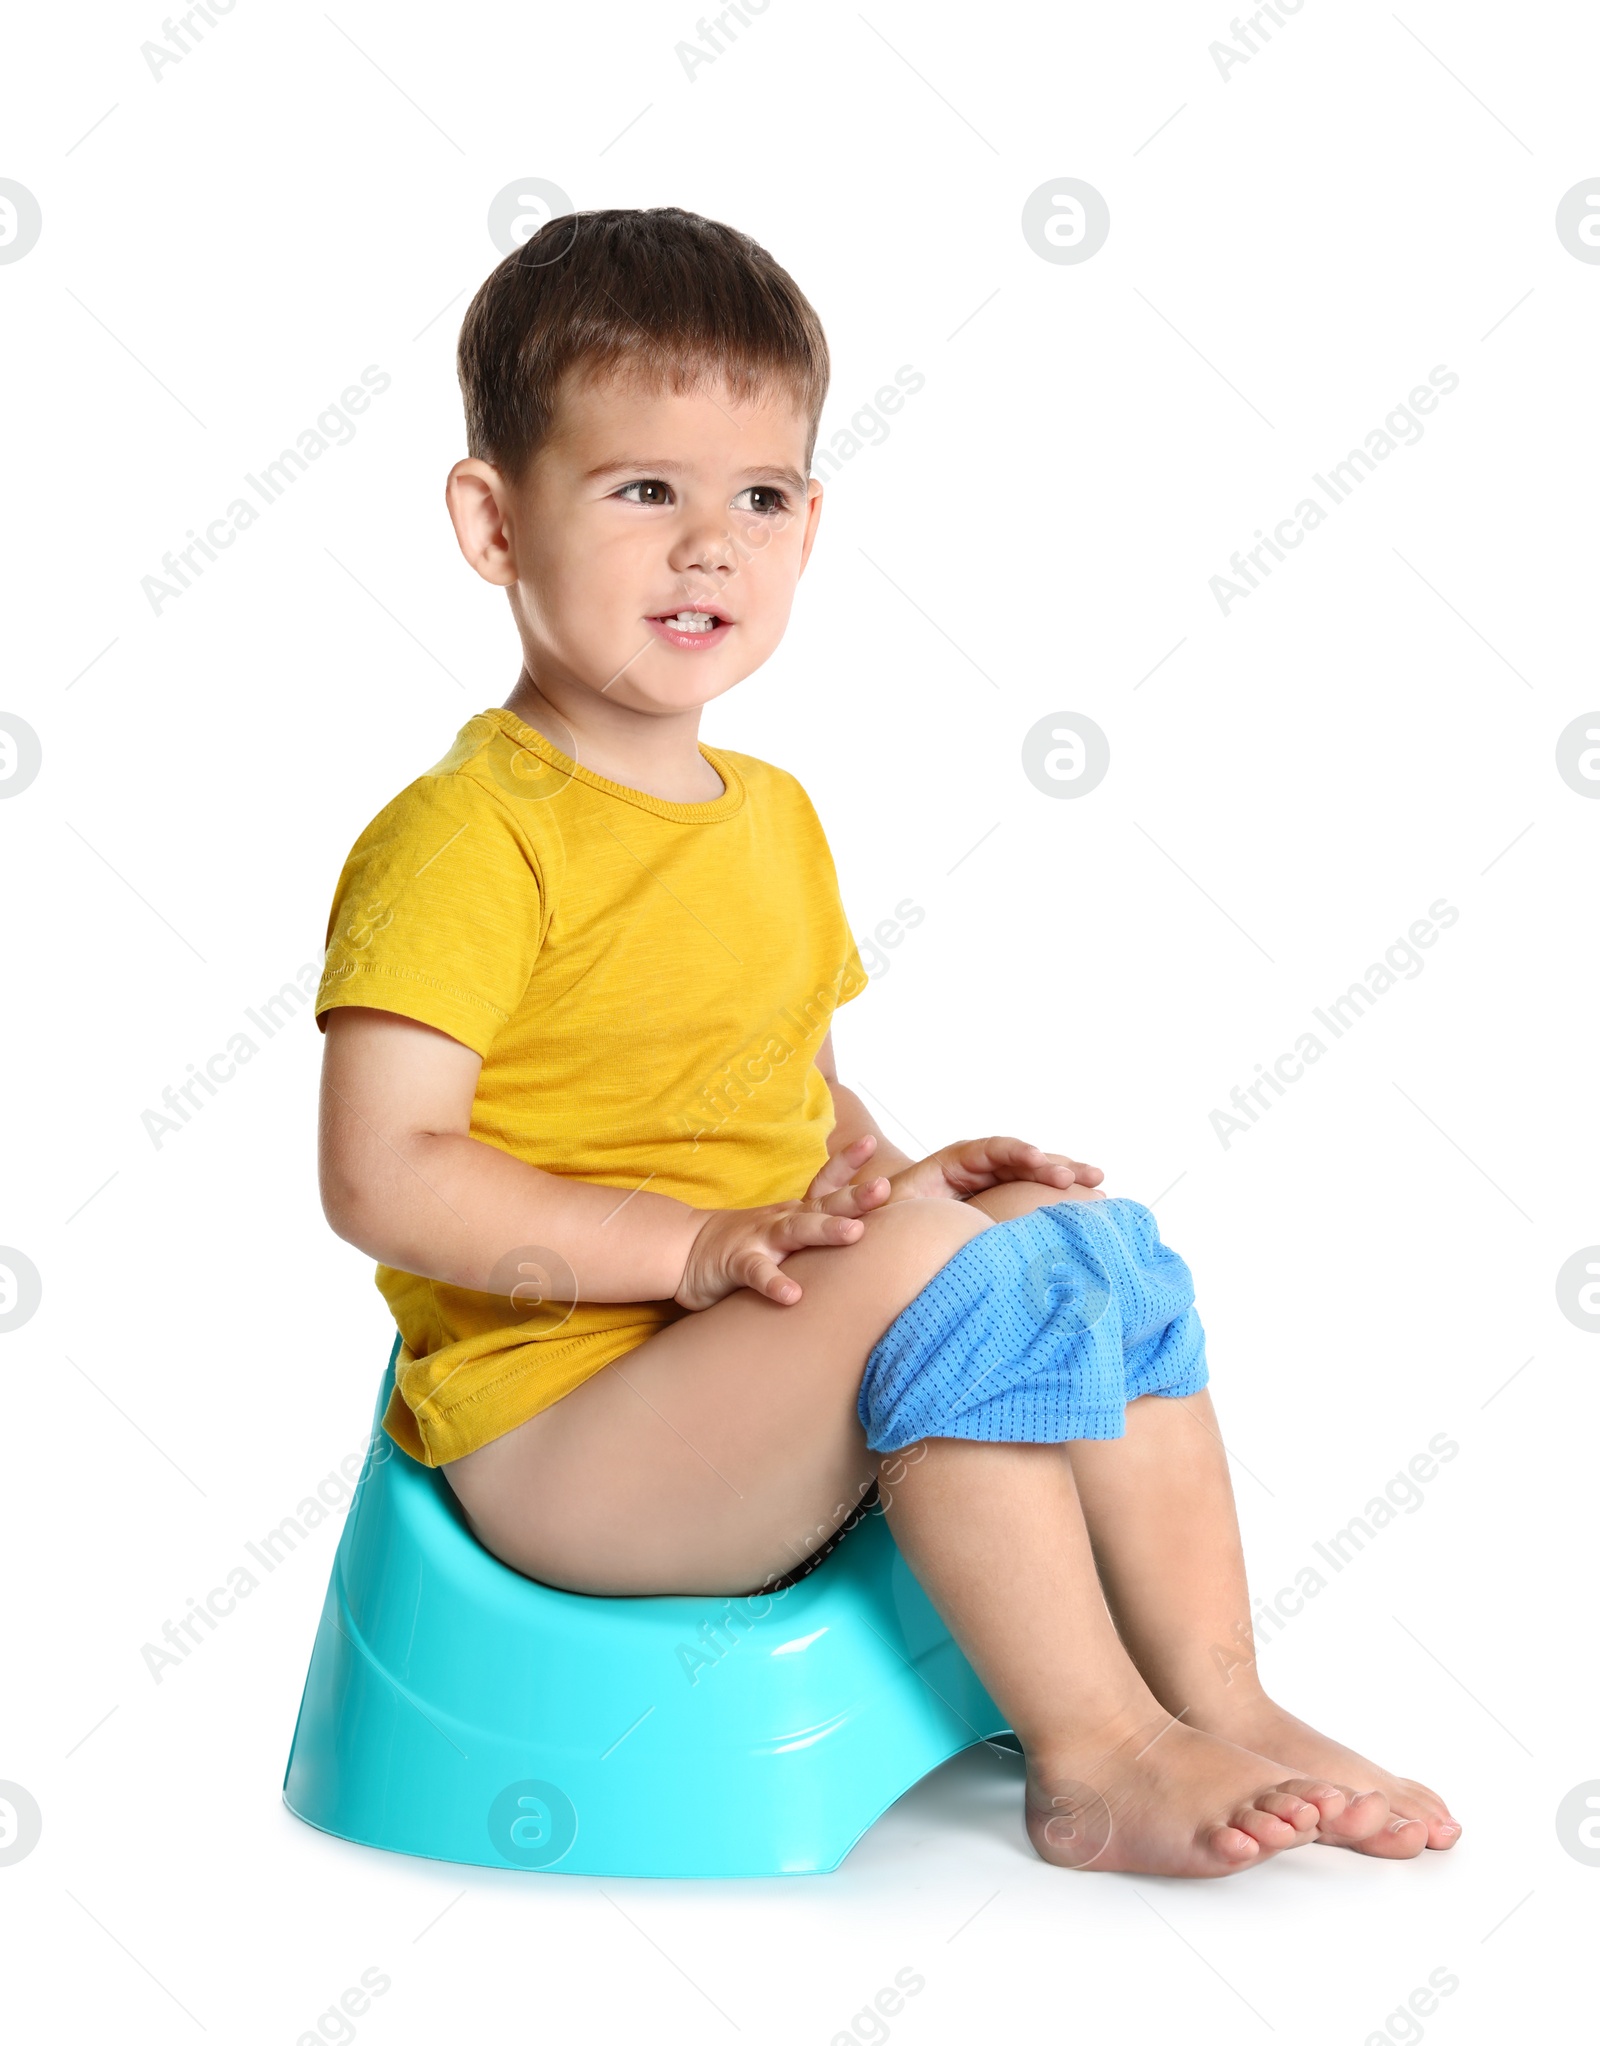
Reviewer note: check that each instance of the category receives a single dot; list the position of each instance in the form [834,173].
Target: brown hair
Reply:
[651,290]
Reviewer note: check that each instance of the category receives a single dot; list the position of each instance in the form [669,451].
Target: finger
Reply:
[761,1275]
[842,1166]
[986,1161]
[1049,1168]
[801,1228]
[860,1199]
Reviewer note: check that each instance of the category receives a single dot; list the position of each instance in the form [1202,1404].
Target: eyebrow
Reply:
[778,471]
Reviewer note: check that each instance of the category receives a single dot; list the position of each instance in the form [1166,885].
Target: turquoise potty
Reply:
[457,1710]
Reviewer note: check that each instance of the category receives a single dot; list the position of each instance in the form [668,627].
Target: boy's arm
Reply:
[403,1180]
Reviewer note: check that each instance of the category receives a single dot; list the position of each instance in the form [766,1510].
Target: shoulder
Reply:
[767,783]
[463,801]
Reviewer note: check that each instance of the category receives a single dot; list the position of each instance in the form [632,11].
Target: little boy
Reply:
[675,1311]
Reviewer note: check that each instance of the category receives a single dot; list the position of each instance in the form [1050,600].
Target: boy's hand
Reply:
[950,1174]
[737,1247]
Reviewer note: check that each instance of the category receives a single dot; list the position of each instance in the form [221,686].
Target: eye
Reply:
[653,483]
[776,500]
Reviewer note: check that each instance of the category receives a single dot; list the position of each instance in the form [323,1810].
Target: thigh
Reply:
[724,1449]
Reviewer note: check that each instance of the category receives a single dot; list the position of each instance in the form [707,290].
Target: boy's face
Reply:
[645,505]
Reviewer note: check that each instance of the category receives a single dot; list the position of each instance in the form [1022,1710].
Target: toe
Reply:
[1297,1811]
[1232,1845]
[1362,1817]
[1416,1801]
[1398,1839]
[1269,1831]
[1328,1799]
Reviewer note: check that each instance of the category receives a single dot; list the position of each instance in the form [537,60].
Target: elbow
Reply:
[344,1208]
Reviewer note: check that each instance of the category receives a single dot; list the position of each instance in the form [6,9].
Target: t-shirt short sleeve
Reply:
[853,976]
[437,913]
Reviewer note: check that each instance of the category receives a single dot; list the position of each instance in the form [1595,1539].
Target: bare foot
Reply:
[1421,1817]
[1167,1800]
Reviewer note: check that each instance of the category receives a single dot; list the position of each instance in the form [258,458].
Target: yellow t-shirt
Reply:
[647,984]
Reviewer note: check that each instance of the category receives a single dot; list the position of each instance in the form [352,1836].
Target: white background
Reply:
[1290,788]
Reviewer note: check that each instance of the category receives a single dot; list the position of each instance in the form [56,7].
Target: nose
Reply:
[705,544]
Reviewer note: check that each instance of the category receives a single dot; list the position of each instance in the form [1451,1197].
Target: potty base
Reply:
[457,1710]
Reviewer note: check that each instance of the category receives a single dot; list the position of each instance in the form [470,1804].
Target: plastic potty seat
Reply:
[456,1709]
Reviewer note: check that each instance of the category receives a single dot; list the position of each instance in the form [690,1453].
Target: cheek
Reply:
[592,583]
[769,568]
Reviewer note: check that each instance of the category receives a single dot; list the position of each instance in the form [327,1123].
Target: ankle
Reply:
[1241,1702]
[1097,1743]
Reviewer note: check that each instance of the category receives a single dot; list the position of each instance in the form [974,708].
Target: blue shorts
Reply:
[1039,1330]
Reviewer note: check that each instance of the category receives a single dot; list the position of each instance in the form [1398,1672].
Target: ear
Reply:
[479,504]
[813,513]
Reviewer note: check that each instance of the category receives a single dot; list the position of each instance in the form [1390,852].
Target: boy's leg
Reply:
[1160,1512]
[728,1445]
[1159,1504]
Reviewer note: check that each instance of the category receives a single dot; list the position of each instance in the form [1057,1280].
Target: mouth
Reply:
[692,627]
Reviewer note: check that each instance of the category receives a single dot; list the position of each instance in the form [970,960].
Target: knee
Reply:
[1018,1197]
[911,1241]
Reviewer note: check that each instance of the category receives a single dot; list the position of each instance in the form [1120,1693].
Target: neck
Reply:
[659,755]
